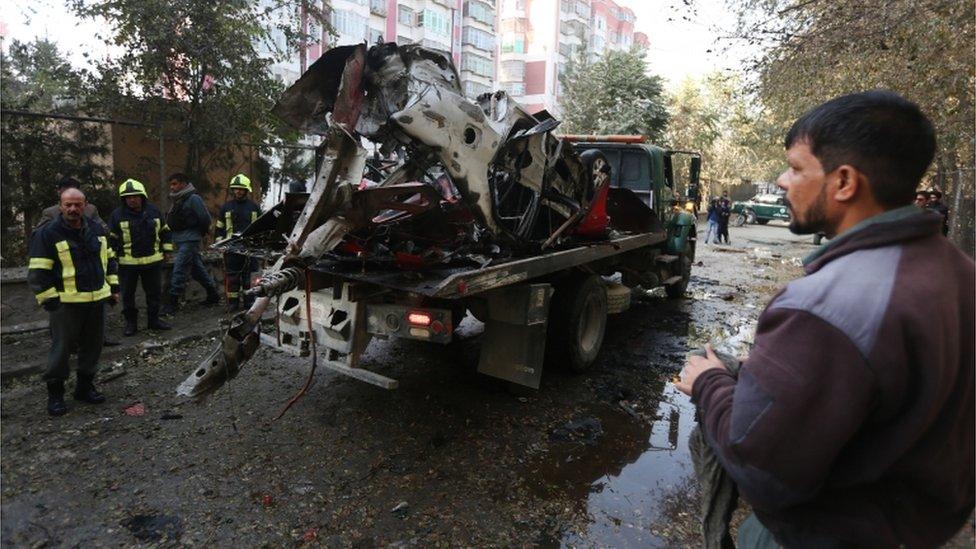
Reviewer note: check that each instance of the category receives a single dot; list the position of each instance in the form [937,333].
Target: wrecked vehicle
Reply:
[462,206]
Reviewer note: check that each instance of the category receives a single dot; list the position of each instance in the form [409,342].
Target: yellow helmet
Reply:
[240,181]
[131,187]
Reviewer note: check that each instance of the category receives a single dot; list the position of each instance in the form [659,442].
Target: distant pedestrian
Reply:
[236,215]
[72,272]
[724,213]
[713,221]
[922,199]
[140,237]
[189,221]
[935,204]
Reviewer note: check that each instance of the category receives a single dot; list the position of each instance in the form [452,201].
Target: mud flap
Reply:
[514,343]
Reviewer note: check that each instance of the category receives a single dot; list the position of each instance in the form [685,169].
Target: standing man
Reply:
[852,422]
[724,213]
[189,220]
[72,272]
[91,212]
[713,221]
[235,216]
[935,204]
[140,236]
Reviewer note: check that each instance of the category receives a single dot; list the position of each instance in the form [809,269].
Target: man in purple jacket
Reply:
[852,420]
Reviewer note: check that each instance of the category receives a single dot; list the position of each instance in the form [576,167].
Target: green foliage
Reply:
[813,50]
[36,152]
[612,94]
[202,67]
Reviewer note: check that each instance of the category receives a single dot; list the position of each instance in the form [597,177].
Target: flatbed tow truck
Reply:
[348,271]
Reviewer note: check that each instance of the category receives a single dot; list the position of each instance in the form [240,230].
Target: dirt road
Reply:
[450,458]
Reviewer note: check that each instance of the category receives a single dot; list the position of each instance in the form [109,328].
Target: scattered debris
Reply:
[401,509]
[587,430]
[137,409]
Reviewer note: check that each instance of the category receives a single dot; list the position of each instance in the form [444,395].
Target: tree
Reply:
[202,65]
[612,94]
[714,116]
[813,50]
[36,152]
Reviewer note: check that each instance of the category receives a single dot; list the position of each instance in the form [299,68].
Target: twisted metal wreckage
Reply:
[453,183]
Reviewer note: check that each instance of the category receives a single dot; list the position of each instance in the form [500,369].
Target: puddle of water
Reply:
[625,504]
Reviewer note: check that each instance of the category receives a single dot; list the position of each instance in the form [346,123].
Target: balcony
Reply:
[377,7]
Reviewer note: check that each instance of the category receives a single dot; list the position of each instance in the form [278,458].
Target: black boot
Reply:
[170,304]
[85,390]
[131,326]
[55,398]
[156,324]
[213,296]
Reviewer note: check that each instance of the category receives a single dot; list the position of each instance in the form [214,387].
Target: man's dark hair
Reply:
[179,177]
[879,132]
[67,182]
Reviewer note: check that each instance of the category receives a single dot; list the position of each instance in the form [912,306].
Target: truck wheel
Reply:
[738,220]
[577,322]
[677,290]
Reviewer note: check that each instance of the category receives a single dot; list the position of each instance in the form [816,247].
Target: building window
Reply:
[601,23]
[474,89]
[405,15]
[375,36]
[583,10]
[514,88]
[513,70]
[479,11]
[377,7]
[598,44]
[349,24]
[477,64]
[513,43]
[436,22]
[478,38]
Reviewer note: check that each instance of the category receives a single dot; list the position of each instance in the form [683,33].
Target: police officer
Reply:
[72,272]
[139,237]
[235,216]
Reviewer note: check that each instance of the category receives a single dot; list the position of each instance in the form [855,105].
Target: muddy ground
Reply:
[450,458]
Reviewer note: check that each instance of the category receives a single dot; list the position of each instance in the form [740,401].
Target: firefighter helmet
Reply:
[240,181]
[131,187]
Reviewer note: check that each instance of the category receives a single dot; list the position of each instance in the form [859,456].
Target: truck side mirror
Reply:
[694,176]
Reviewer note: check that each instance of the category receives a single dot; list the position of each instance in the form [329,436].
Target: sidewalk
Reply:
[25,353]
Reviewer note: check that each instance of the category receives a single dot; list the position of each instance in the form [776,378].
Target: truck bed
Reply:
[457,282]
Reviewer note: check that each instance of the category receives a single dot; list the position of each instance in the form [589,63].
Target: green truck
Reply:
[760,209]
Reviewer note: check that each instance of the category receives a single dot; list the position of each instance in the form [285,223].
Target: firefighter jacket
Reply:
[235,216]
[139,238]
[72,265]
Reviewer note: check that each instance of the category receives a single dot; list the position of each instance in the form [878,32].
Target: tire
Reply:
[677,290]
[577,323]
[738,220]
[750,216]
[762,221]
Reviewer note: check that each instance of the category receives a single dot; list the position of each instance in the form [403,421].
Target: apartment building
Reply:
[465,29]
[538,37]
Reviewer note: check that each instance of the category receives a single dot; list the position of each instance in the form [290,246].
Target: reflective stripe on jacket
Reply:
[72,265]
[235,216]
[139,238]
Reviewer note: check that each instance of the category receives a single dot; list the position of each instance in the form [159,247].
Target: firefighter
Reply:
[235,216]
[140,237]
[73,272]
